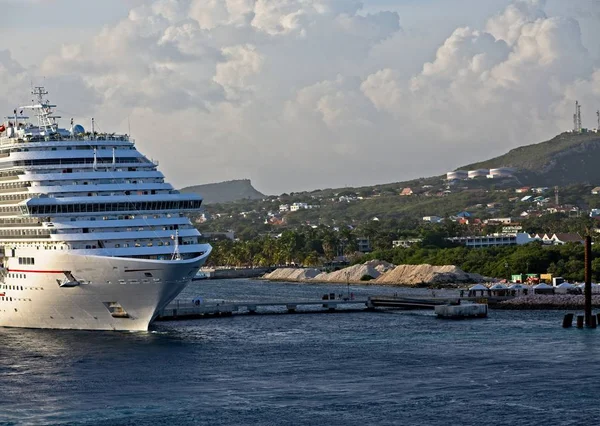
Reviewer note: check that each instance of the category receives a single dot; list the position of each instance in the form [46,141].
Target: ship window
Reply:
[147,274]
[117,245]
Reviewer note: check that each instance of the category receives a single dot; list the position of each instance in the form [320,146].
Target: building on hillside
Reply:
[596,190]
[298,206]
[275,220]
[559,238]
[464,214]
[567,237]
[594,212]
[204,217]
[523,190]
[406,243]
[407,191]
[495,240]
[433,219]
[230,235]
[501,221]
[364,245]
[284,208]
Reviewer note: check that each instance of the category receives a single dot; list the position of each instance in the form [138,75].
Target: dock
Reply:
[182,311]
[179,310]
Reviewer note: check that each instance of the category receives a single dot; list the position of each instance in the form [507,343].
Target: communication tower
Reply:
[598,115]
[577,126]
[556,200]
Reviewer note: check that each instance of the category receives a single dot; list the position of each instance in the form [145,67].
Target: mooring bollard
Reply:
[580,321]
[593,323]
[568,321]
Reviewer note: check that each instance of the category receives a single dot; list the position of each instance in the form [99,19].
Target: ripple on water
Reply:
[514,368]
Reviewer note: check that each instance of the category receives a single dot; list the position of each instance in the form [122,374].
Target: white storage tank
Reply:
[480,173]
[502,172]
[457,175]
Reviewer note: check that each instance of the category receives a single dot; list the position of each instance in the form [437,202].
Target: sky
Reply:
[306,94]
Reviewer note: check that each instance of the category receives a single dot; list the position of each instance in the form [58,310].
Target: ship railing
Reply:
[20,188]
[24,237]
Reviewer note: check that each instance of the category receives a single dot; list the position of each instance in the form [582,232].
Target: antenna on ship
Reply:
[95,160]
[176,254]
[579,125]
[93,131]
[598,115]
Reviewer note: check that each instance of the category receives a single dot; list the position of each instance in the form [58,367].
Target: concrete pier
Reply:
[179,311]
[471,310]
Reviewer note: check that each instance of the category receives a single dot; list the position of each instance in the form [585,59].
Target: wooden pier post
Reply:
[568,321]
[580,321]
[588,281]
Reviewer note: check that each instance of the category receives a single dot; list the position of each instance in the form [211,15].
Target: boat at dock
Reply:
[91,235]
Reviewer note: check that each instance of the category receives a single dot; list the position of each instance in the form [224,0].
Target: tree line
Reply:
[318,247]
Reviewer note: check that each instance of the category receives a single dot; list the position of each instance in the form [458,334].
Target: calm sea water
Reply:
[514,368]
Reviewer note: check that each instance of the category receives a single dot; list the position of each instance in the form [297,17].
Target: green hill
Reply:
[564,160]
[225,192]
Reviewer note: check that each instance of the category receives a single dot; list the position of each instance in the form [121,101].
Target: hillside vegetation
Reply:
[226,192]
[564,160]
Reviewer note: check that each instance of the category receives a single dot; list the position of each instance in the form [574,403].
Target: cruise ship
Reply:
[91,235]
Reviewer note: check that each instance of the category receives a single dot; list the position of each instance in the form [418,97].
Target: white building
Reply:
[299,206]
[433,219]
[494,240]
[284,208]
[406,243]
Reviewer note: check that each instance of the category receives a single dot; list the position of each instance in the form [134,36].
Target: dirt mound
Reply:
[292,274]
[427,275]
[350,274]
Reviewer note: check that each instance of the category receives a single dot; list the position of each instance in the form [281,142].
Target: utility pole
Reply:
[588,281]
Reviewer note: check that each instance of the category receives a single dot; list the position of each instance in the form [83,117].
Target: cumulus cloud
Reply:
[297,95]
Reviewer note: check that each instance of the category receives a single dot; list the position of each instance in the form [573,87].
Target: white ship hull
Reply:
[108,294]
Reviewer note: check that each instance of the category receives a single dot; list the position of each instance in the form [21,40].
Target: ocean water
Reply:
[360,368]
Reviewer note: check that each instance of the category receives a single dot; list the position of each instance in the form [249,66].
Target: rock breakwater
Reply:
[547,301]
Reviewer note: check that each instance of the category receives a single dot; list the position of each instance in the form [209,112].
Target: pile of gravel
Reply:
[416,275]
[292,274]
